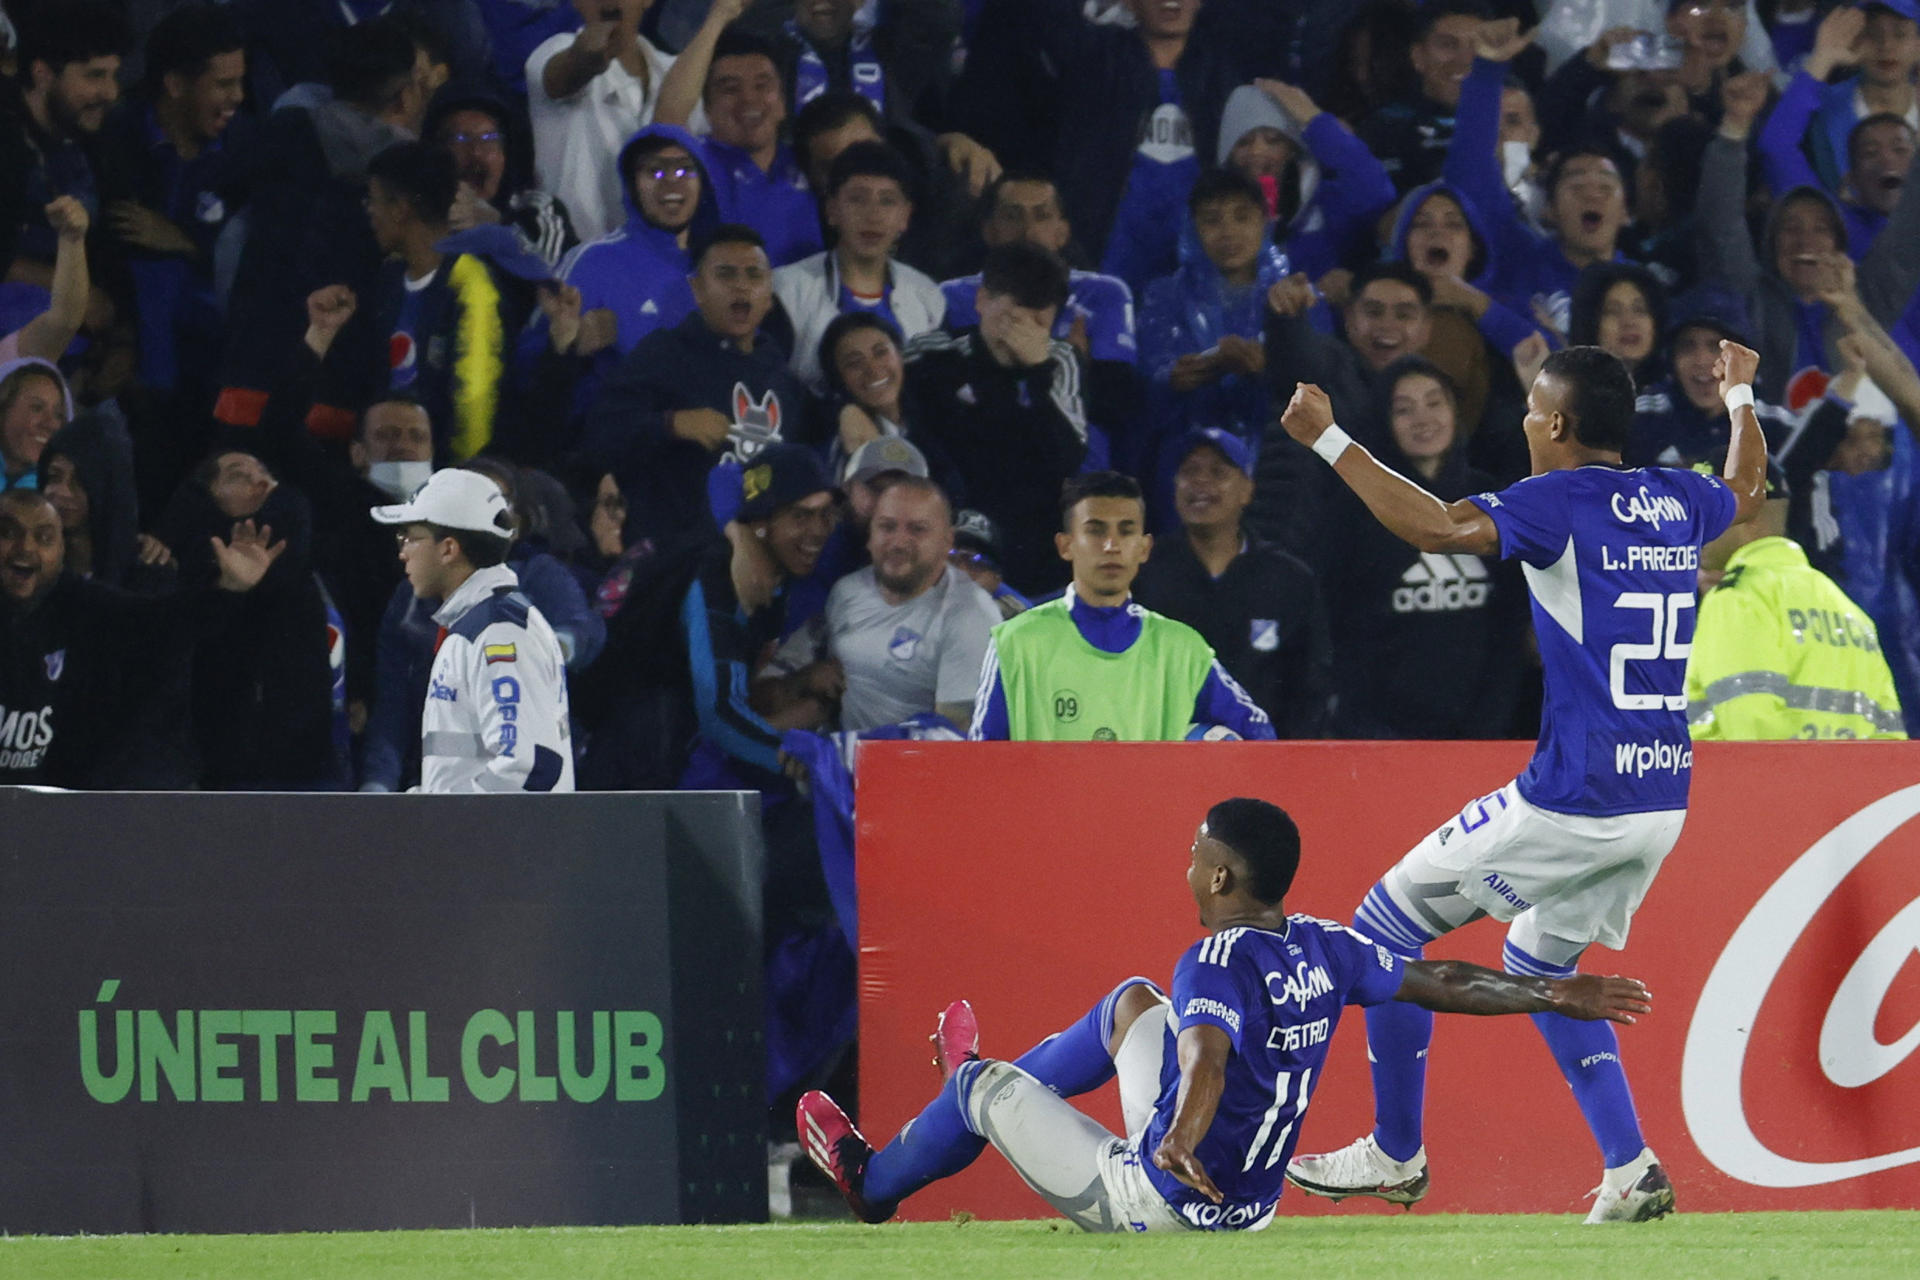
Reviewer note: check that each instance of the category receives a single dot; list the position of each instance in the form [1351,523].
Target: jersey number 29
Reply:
[1665,643]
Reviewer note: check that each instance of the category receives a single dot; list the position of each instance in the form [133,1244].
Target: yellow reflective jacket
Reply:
[1781,652]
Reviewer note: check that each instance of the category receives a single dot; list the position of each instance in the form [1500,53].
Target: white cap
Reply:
[1869,401]
[454,499]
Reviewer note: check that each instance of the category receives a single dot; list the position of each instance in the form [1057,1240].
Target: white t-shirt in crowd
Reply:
[576,140]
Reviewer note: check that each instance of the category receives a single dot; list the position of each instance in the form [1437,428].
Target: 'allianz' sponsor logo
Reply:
[1654,509]
[1442,584]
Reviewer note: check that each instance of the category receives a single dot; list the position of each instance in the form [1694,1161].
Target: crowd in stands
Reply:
[782,325]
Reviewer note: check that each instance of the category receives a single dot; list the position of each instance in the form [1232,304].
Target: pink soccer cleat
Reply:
[833,1144]
[956,1038]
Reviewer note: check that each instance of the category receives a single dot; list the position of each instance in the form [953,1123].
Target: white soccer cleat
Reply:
[1362,1169]
[1636,1192]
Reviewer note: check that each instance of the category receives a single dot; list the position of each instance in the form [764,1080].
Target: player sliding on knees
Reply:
[1566,851]
[1212,1083]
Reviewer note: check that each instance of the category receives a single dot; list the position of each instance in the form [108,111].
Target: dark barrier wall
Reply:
[292,1013]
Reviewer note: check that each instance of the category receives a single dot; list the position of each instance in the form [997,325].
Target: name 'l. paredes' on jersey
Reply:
[1611,557]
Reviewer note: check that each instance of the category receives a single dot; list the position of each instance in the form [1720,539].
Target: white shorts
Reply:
[1087,1173]
[1558,875]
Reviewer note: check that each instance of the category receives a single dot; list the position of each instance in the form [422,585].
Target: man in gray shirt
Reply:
[911,630]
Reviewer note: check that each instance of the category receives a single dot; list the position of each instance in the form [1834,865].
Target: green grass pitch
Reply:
[1786,1246]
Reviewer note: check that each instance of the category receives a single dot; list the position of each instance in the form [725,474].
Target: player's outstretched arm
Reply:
[1409,512]
[1454,986]
[1203,1054]
[1746,470]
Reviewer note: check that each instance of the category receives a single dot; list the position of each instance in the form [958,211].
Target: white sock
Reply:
[1630,1172]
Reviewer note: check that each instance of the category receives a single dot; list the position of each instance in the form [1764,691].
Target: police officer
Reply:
[1779,650]
[496,712]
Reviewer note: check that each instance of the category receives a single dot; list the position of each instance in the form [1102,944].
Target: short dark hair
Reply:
[1600,395]
[1224,183]
[71,31]
[186,40]
[482,550]
[421,175]
[1401,272]
[870,160]
[1077,489]
[370,63]
[1431,15]
[839,327]
[727,233]
[1031,276]
[1557,167]
[834,109]
[397,395]
[1262,836]
[1864,123]
[736,43]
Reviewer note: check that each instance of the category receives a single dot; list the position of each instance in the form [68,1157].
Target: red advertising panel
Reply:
[1780,941]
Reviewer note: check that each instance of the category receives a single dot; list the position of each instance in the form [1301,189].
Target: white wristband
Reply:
[1739,396]
[1332,443]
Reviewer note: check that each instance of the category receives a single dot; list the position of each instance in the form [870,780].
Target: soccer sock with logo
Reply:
[935,1144]
[1589,1057]
[1076,1060]
[1398,1034]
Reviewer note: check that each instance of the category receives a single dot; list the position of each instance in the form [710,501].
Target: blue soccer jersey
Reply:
[1611,559]
[1278,997]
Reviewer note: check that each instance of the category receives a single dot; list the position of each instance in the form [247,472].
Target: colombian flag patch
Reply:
[500,652]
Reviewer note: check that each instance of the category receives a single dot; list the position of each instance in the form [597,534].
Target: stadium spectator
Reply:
[1200,327]
[588,92]
[1003,402]
[67,61]
[977,551]
[173,177]
[1621,308]
[1779,651]
[943,202]
[909,630]
[1094,666]
[1322,187]
[735,77]
[868,205]
[1258,607]
[34,403]
[87,474]
[1425,645]
[1131,111]
[1782,276]
[308,226]
[476,127]
[292,42]
[262,710]
[1410,135]
[711,389]
[446,303]
[1883,42]
[101,673]
[899,58]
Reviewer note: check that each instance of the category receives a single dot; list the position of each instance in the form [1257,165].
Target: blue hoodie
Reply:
[639,272]
[1503,325]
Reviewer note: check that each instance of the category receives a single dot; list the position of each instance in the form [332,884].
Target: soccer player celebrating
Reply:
[1212,1082]
[1566,851]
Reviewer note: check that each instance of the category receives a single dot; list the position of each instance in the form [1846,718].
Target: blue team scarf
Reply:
[810,77]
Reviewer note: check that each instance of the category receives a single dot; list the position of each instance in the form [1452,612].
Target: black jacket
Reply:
[1264,619]
[92,688]
[1012,436]
[262,686]
[688,366]
[1425,645]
